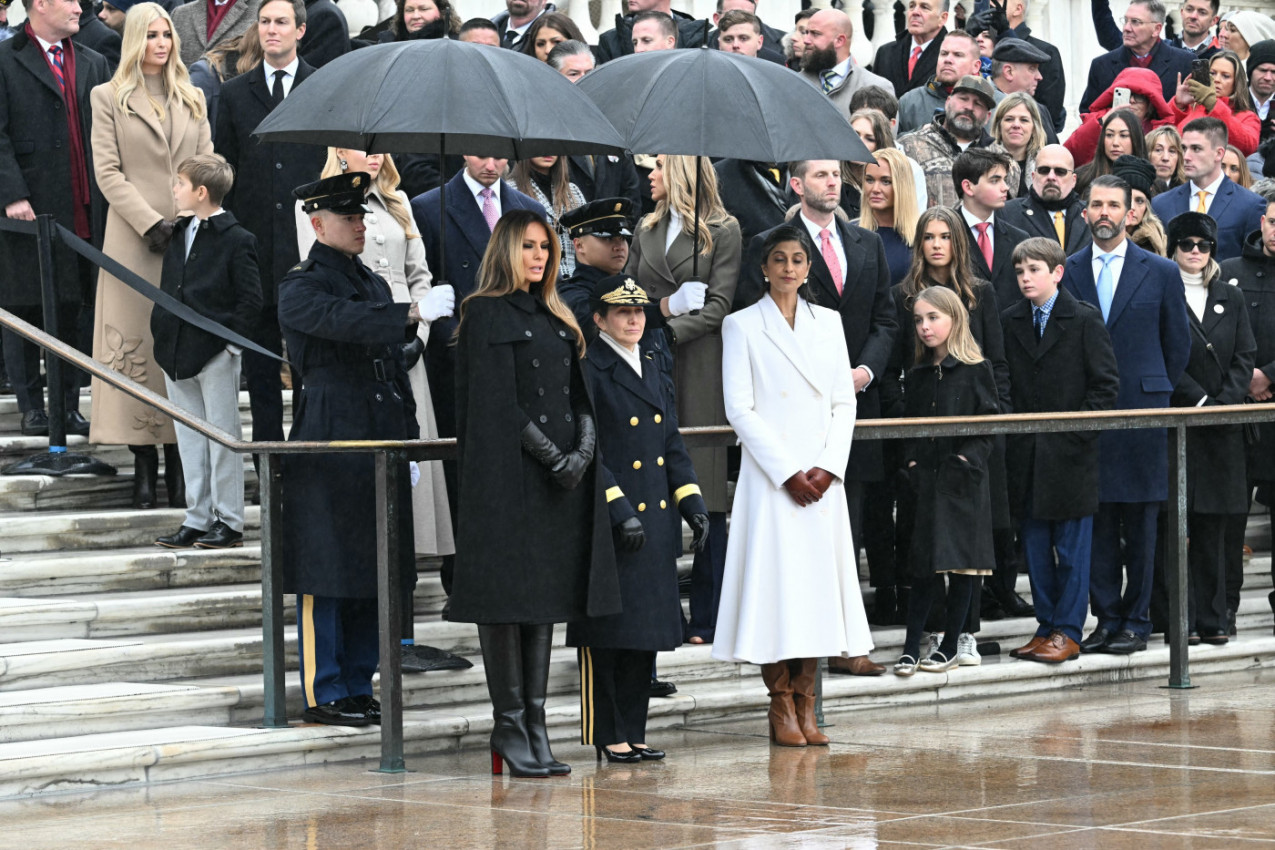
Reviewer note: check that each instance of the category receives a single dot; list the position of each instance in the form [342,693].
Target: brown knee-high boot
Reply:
[802,675]
[784,730]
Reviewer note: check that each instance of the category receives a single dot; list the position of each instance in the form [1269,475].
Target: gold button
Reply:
[637,464]
[659,461]
[658,419]
[641,506]
[663,504]
[633,421]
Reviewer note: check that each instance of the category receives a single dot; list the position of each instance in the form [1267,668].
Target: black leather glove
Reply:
[629,535]
[699,531]
[569,471]
[158,237]
[998,21]
[411,352]
[540,447]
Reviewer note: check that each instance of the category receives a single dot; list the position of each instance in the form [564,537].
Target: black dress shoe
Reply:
[76,424]
[1096,640]
[184,538]
[1214,639]
[619,758]
[1230,622]
[1125,643]
[366,705]
[990,607]
[220,536]
[662,689]
[1015,605]
[335,713]
[649,754]
[35,423]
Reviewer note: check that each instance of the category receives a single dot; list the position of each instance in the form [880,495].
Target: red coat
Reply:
[1083,143]
[1243,129]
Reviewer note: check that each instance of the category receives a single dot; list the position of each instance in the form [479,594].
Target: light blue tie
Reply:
[1106,286]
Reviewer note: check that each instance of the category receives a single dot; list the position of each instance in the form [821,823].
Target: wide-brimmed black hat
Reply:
[343,194]
[1192,225]
[605,218]
[1135,171]
[618,290]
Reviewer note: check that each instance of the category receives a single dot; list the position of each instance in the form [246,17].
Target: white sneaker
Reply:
[967,651]
[932,644]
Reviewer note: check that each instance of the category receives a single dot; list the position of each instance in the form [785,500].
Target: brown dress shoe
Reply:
[1056,649]
[1028,647]
[859,665]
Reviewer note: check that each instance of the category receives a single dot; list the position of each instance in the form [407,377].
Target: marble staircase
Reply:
[124,663]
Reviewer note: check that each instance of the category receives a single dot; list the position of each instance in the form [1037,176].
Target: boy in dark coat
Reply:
[211,266]
[1060,359]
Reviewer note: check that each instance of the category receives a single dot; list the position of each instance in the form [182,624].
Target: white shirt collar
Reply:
[1120,250]
[815,228]
[45,45]
[476,188]
[290,70]
[633,358]
[522,30]
[1211,188]
[922,46]
[972,219]
[842,69]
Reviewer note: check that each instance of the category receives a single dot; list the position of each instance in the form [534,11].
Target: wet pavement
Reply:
[1112,766]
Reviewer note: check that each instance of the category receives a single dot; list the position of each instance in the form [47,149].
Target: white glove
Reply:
[689,296]
[415,470]
[438,302]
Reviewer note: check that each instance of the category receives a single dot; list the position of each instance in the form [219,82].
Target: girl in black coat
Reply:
[533,544]
[948,475]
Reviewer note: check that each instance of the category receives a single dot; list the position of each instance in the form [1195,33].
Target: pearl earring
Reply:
[765,279]
[344,164]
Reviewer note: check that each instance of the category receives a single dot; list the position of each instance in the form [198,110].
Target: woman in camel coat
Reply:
[146,121]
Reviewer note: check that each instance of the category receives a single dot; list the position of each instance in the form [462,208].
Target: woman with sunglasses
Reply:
[1218,372]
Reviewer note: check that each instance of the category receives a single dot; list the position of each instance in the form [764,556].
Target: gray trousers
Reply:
[214,474]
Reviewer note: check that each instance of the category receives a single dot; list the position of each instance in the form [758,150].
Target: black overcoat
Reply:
[1029,214]
[337,318]
[648,475]
[598,176]
[756,200]
[219,279]
[1254,273]
[327,35]
[1219,370]
[98,37]
[953,528]
[527,551]
[1072,367]
[265,172]
[891,62]
[35,165]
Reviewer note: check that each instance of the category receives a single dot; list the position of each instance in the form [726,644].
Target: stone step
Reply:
[11,415]
[63,531]
[86,492]
[117,758]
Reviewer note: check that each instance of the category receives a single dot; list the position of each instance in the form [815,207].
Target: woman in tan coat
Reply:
[146,121]
[662,259]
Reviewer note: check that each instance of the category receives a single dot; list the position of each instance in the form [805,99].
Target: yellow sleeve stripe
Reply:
[614,493]
[687,490]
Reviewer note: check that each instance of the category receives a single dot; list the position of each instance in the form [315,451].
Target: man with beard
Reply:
[512,24]
[958,57]
[1144,307]
[961,126]
[826,62]
[1051,207]
[909,61]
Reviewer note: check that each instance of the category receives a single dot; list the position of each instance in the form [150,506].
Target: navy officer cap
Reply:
[1017,50]
[605,217]
[618,290]
[343,194]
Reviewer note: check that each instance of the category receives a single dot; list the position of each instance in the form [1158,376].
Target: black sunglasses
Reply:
[1186,246]
[1043,170]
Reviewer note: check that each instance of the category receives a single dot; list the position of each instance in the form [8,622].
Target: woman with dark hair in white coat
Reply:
[790,594]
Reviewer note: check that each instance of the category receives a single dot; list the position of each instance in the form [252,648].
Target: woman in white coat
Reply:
[394,250]
[791,589]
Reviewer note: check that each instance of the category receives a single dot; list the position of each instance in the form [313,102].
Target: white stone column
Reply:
[860,47]
[883,15]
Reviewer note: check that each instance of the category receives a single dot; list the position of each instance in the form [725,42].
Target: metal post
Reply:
[1175,560]
[388,588]
[273,671]
[53,365]
[822,663]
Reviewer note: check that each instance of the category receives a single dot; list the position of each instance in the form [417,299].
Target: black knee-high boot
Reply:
[537,643]
[502,661]
[145,474]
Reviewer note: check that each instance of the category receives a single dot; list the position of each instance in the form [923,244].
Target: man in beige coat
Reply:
[827,64]
[190,20]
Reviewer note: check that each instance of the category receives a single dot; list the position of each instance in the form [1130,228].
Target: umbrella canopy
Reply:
[442,96]
[712,103]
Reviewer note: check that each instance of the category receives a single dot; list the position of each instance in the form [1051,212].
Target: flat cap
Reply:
[1017,50]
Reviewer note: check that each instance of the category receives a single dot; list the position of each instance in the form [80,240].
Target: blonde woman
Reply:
[890,207]
[1164,149]
[1017,126]
[662,258]
[146,120]
[545,179]
[394,250]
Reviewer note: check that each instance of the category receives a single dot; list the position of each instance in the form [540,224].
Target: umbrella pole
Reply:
[695,256]
[442,211]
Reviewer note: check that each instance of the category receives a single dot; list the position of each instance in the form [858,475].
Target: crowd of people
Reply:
[985,260]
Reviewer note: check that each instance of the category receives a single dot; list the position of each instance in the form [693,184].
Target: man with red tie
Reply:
[910,60]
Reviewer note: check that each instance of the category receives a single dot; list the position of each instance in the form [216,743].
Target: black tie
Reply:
[510,37]
[1039,322]
[277,91]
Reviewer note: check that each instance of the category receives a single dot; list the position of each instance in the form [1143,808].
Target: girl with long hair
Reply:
[948,476]
[1017,126]
[146,121]
[547,32]
[526,444]
[546,179]
[1121,134]
[890,207]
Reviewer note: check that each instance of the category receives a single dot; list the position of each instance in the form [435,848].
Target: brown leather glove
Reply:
[1204,95]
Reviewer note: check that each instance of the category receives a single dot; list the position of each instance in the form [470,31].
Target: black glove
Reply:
[411,352]
[158,237]
[629,535]
[540,447]
[569,471]
[997,20]
[699,531]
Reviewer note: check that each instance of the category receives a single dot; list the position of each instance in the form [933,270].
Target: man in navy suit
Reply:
[475,198]
[1142,48]
[1208,190]
[1144,307]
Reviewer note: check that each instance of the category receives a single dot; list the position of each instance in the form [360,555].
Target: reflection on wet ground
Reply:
[1111,766]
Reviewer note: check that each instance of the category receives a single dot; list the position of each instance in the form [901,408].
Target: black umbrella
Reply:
[440,95]
[713,103]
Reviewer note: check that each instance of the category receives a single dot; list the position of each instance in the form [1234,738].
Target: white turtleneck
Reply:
[1197,294]
[631,356]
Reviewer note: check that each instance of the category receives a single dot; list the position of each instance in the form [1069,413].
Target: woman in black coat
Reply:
[1218,372]
[650,488]
[533,544]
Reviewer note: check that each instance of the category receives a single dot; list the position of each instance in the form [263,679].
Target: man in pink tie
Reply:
[910,60]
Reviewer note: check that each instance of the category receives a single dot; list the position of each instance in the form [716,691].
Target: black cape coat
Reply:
[527,551]
[648,475]
[1254,273]
[953,528]
[337,318]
